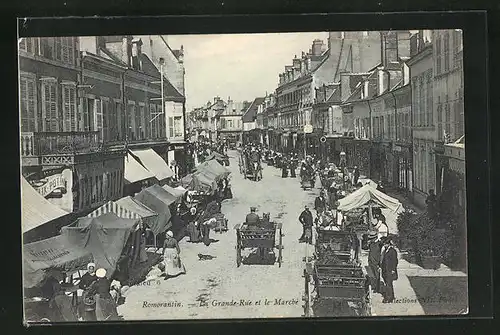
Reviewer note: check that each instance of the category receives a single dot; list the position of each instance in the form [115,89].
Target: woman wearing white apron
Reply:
[171,258]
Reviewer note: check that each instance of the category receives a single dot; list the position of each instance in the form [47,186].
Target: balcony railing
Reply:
[28,145]
[54,143]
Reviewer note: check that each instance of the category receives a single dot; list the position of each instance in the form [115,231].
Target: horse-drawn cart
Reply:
[250,169]
[263,238]
[335,282]
[307,181]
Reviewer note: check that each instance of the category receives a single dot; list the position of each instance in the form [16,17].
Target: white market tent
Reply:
[368,196]
[134,171]
[35,209]
[153,163]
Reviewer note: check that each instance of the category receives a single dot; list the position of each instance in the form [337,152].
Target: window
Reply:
[414,100]
[106,125]
[421,109]
[98,119]
[178,132]
[70,115]
[47,47]
[137,122]
[28,105]
[446,53]
[447,119]
[440,120]
[30,44]
[457,120]
[457,46]
[170,127]
[152,110]
[438,55]
[119,120]
[49,106]
[131,122]
[430,116]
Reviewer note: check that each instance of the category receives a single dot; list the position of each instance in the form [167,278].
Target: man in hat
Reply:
[389,265]
[320,204]
[374,255]
[252,219]
[306,219]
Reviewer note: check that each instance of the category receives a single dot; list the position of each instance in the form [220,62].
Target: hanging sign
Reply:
[53,182]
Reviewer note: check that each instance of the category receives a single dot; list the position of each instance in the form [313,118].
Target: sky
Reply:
[240,66]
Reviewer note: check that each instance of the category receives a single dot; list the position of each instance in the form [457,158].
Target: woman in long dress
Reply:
[193,229]
[105,304]
[171,257]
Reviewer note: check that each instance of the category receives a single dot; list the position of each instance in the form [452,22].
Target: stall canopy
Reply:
[153,163]
[104,236]
[55,254]
[368,196]
[174,191]
[127,208]
[214,167]
[158,200]
[134,171]
[198,182]
[35,209]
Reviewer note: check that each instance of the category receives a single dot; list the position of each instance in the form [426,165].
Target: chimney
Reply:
[296,63]
[181,54]
[345,86]
[317,47]
[126,52]
[136,53]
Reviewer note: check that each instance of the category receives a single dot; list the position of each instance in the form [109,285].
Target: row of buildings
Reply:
[392,101]
[93,113]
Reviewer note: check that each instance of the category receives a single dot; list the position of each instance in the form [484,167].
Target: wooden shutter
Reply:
[105,120]
[66,108]
[98,118]
[73,109]
[171,126]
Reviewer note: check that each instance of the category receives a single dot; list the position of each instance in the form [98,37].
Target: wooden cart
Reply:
[335,281]
[261,237]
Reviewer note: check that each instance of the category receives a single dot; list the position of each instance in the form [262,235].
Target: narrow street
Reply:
[208,282]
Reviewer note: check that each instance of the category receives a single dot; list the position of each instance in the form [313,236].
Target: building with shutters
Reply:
[62,152]
[230,123]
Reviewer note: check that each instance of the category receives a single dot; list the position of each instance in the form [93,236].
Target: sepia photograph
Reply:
[243,176]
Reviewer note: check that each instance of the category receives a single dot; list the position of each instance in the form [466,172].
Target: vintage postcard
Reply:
[243,176]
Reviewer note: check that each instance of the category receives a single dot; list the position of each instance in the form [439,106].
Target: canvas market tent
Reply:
[198,182]
[158,200]
[368,196]
[55,255]
[128,208]
[35,209]
[105,236]
[213,167]
[153,163]
[174,191]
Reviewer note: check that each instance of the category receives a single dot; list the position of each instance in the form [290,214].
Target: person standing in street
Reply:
[374,253]
[389,265]
[306,219]
[105,304]
[171,257]
[319,204]
[431,202]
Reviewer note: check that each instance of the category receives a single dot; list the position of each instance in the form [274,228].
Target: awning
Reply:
[53,254]
[104,236]
[214,167]
[158,200]
[153,163]
[368,196]
[35,209]
[174,191]
[134,171]
[136,207]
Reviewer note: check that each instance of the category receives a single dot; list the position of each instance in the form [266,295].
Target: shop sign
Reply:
[53,183]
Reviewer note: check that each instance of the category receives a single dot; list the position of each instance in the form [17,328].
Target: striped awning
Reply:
[113,207]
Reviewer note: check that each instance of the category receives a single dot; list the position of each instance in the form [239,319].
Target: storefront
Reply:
[403,167]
